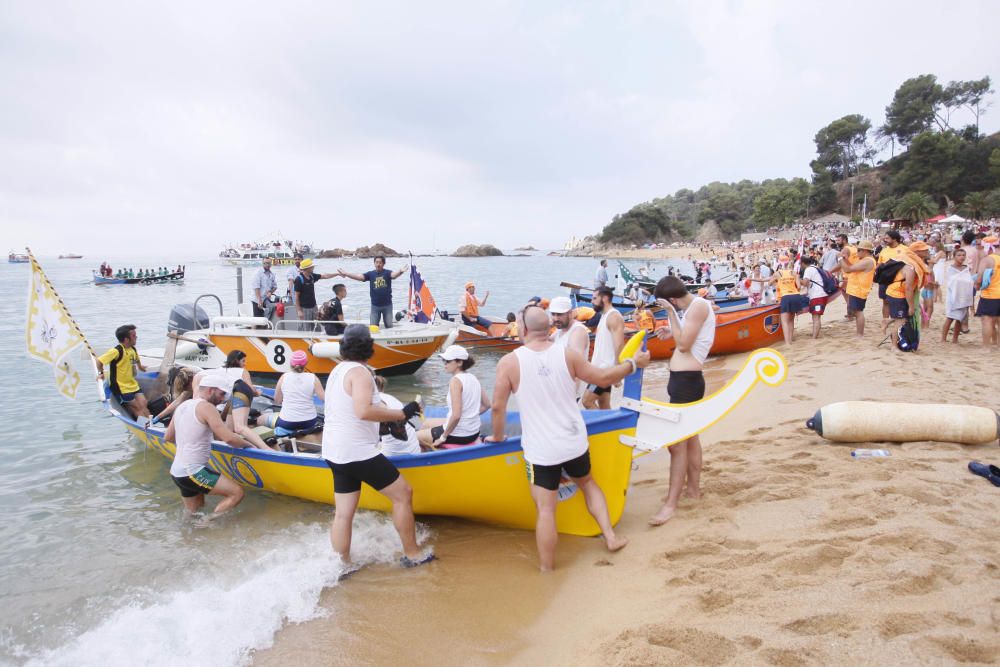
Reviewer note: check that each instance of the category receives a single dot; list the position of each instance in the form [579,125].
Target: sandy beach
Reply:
[795,554]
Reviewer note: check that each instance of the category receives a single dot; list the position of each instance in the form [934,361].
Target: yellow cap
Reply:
[306,264]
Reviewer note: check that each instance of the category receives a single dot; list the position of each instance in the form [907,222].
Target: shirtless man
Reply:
[542,375]
[608,341]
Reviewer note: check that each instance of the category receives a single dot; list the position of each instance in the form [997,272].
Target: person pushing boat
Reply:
[693,334]
[542,375]
[351,447]
[192,428]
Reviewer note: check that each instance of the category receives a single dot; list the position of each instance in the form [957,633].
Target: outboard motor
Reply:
[184,319]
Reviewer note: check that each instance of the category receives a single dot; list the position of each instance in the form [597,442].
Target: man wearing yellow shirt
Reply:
[901,296]
[859,271]
[892,248]
[122,360]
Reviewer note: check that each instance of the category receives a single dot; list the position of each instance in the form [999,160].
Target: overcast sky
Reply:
[184,125]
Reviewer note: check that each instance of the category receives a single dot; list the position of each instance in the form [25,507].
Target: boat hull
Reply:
[152,280]
[735,331]
[492,340]
[485,483]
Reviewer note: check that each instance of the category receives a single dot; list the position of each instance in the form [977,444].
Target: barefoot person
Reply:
[192,427]
[859,274]
[569,332]
[693,336]
[351,447]
[542,375]
[989,297]
[123,360]
[608,341]
[960,293]
[789,298]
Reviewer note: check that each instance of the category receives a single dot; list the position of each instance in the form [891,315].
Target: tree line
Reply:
[937,160]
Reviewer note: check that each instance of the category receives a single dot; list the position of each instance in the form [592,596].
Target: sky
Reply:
[179,127]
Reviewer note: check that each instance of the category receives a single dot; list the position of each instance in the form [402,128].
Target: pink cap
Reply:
[299,358]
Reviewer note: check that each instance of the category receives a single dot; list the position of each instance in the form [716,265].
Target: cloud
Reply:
[504,122]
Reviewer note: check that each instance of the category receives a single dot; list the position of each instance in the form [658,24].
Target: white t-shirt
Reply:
[468,423]
[392,446]
[815,282]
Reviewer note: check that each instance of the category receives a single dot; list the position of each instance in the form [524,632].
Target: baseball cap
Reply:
[560,305]
[865,245]
[469,284]
[455,352]
[299,358]
[306,264]
[217,380]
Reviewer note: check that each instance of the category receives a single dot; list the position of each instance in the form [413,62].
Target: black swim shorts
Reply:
[198,484]
[899,309]
[686,387]
[988,307]
[548,477]
[377,472]
[597,391]
[453,439]
[855,303]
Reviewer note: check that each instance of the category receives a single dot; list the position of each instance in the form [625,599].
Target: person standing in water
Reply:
[542,375]
[693,336]
[193,425]
[351,447]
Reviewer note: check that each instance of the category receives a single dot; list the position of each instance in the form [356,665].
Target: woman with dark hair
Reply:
[180,391]
[242,397]
[466,401]
[351,447]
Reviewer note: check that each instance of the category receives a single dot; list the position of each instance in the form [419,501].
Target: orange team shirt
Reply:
[644,319]
[992,291]
[786,283]
[897,289]
[471,306]
[859,283]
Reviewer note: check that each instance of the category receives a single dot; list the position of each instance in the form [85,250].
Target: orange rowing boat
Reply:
[488,340]
[735,331]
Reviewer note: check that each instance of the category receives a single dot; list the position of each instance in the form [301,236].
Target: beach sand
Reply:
[795,554]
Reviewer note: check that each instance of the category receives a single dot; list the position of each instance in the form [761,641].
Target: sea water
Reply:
[98,563]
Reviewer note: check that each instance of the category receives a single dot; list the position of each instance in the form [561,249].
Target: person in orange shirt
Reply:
[989,297]
[902,295]
[859,272]
[642,317]
[470,307]
[789,296]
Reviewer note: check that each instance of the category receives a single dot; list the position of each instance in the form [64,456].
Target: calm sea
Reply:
[98,563]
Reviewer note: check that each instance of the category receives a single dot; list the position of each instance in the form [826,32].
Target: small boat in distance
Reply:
[276,248]
[70,256]
[140,279]
[17,258]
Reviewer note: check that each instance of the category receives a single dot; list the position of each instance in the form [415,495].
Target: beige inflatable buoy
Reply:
[862,421]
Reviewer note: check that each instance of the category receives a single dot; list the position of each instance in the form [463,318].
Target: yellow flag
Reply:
[52,335]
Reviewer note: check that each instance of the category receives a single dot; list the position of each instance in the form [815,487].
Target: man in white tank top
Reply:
[569,333]
[351,447]
[608,341]
[693,336]
[194,424]
[554,436]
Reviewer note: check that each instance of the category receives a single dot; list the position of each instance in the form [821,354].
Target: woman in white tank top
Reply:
[294,393]
[466,401]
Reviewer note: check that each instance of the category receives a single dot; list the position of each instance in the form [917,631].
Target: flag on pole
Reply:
[625,274]
[52,336]
[422,306]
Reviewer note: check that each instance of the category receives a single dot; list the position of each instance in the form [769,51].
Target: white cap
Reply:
[217,380]
[455,352]
[560,305]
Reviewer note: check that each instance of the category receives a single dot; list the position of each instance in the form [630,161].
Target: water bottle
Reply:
[870,453]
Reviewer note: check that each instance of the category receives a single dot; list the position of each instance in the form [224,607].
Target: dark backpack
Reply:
[885,274]
[908,339]
[830,285]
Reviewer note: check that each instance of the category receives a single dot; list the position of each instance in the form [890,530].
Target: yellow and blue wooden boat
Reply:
[487,482]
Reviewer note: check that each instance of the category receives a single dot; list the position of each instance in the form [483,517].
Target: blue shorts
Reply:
[282,427]
[242,395]
[881,291]
[794,303]
[988,308]
[899,309]
[927,293]
[854,303]
[127,397]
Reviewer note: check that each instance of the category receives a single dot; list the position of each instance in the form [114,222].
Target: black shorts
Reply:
[198,484]
[881,291]
[377,472]
[899,309]
[794,303]
[855,303]
[597,391]
[548,477]
[686,387]
[453,439]
[988,308]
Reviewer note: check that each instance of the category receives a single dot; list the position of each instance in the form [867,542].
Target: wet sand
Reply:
[796,553]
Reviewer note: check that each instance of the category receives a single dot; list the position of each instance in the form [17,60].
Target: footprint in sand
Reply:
[895,625]
[800,397]
[784,657]
[920,495]
[850,522]
[698,646]
[958,648]
[823,624]
[714,599]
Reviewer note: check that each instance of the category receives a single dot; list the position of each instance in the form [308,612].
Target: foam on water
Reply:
[235,609]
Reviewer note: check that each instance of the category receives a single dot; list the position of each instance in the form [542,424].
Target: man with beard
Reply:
[569,333]
[608,341]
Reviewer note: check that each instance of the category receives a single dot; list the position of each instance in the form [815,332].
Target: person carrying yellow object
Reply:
[902,295]
[859,272]
[989,298]
[123,359]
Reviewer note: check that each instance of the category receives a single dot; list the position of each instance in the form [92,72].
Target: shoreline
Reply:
[796,553]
